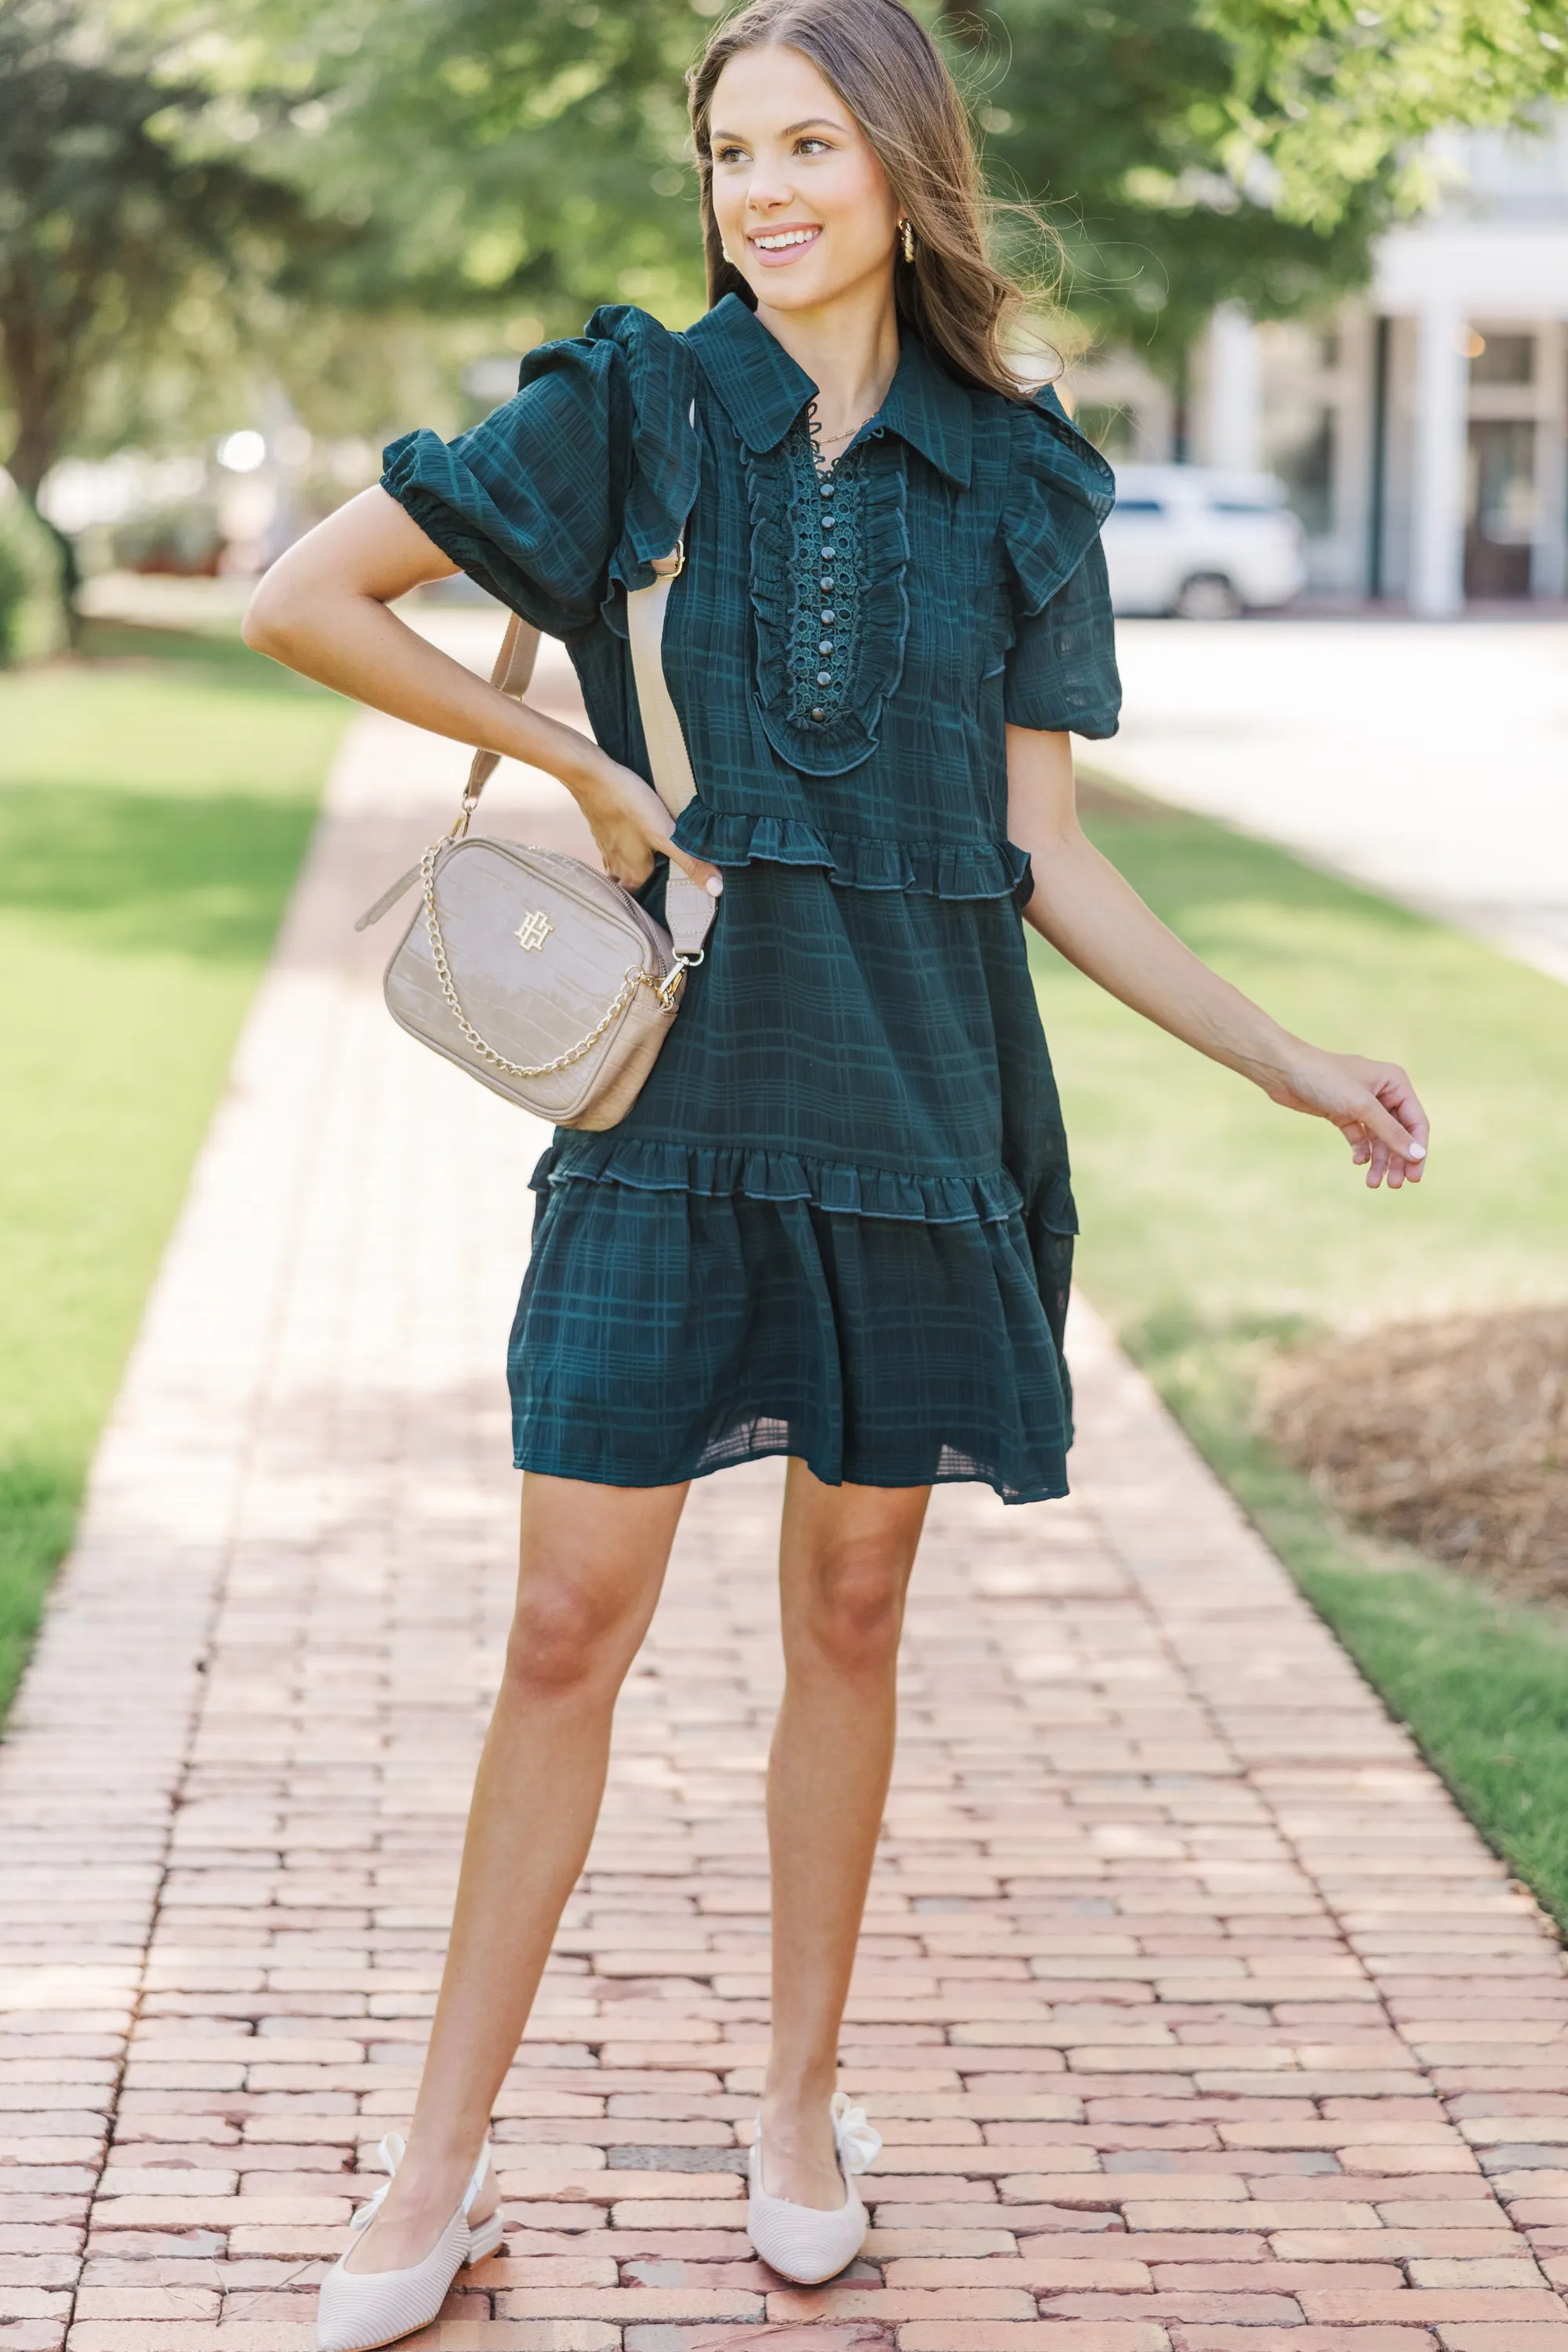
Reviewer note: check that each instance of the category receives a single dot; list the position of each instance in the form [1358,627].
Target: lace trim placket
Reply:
[829,553]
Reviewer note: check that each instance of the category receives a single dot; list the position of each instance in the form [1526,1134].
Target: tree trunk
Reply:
[41,400]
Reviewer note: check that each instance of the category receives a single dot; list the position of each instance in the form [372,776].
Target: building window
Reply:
[1500,519]
[1502,359]
[1300,447]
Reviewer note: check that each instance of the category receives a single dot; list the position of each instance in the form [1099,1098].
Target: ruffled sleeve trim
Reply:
[665,444]
[648,1165]
[936,870]
[1060,491]
[453,494]
[559,500]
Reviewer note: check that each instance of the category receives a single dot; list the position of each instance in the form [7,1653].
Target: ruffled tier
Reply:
[646,1164]
[935,869]
[662,1334]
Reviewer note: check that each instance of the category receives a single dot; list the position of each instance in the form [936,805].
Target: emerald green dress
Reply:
[838,1221]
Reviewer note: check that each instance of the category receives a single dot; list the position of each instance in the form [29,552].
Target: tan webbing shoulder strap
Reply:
[688,910]
[513,673]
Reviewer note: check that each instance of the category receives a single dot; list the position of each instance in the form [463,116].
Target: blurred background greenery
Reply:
[275,230]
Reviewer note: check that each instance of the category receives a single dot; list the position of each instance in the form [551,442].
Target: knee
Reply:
[566,1637]
[854,1613]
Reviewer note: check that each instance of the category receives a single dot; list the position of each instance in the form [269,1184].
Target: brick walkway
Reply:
[1194,2016]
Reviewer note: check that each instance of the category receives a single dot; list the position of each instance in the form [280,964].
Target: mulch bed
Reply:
[1449,1435]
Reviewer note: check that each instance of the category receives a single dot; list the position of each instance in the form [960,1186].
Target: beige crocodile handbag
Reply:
[535,973]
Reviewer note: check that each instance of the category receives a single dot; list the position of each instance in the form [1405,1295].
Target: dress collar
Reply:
[763,389]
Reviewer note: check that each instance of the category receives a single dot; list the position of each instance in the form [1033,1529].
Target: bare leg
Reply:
[592,1559]
[844,1559]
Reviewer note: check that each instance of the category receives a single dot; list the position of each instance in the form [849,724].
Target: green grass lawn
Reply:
[1218,1229]
[154,801]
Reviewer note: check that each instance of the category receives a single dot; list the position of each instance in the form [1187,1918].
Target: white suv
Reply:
[1201,543]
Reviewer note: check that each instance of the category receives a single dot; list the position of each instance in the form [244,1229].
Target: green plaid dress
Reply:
[837,1222]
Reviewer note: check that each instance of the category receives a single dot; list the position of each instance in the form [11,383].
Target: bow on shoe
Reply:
[858,2142]
[392,2151]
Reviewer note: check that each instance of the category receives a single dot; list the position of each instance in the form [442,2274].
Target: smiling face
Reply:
[801,200]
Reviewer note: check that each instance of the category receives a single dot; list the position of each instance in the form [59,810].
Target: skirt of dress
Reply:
[662,1334]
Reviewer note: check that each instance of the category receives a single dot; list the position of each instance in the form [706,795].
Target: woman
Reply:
[836,1224]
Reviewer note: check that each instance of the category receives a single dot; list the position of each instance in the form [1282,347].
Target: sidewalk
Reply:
[1194,2018]
[1425,757]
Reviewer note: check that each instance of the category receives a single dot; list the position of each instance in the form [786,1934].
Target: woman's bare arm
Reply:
[323,610]
[1094,917]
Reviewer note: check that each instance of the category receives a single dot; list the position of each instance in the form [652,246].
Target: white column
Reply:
[1234,436]
[1437,482]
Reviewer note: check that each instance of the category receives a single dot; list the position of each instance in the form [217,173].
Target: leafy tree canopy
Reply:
[530,157]
[1332,100]
[117,234]
[315,185]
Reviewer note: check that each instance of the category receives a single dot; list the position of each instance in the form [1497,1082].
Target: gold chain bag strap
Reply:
[535,973]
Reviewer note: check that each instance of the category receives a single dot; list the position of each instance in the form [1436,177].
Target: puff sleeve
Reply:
[560,496]
[1060,670]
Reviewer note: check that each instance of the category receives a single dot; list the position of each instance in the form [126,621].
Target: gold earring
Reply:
[909,228]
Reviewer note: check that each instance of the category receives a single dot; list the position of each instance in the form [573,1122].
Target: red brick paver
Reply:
[1194,2016]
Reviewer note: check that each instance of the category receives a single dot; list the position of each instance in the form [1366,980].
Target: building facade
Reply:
[1422,428]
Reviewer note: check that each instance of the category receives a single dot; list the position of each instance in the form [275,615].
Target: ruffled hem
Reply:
[663,1335]
[937,870]
[764,1437]
[649,1165]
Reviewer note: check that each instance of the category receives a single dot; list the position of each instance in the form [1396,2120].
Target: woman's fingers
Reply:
[1393,1145]
[1374,1107]
[706,878]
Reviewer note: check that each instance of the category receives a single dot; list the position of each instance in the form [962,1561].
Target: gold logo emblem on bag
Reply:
[534,930]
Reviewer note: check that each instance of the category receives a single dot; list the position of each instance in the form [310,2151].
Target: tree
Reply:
[1111,117]
[1332,99]
[529,157]
[109,223]
[514,157]
[1195,150]
[341,182]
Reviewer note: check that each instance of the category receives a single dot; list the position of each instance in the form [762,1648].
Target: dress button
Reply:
[828,616]
[825,645]
[819,713]
[828,522]
[825,677]
[826,490]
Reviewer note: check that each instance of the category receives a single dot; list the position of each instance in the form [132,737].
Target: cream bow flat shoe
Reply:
[803,2242]
[361,2309]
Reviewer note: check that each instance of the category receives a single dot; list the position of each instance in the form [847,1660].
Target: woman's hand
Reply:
[322,609]
[1373,1104]
[630,824]
[1093,917]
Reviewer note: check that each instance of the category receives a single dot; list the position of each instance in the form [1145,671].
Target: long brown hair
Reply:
[890,73]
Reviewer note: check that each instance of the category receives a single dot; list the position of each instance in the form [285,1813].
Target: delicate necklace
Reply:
[821,441]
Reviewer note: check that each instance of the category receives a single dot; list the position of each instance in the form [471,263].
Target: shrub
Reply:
[32,618]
